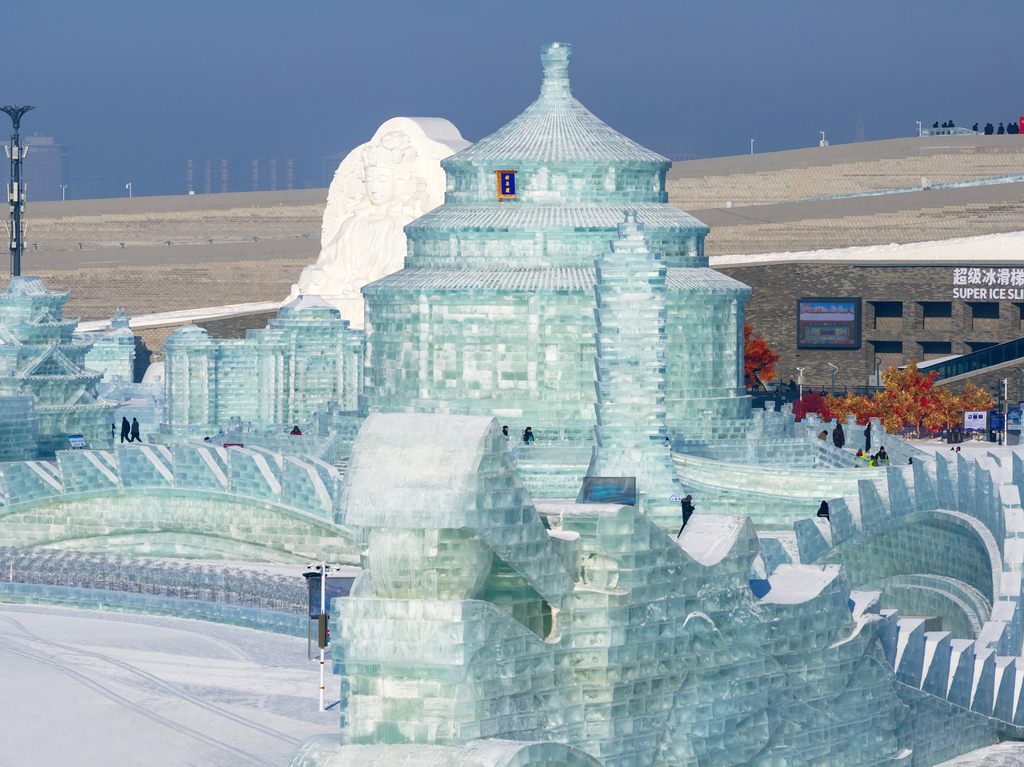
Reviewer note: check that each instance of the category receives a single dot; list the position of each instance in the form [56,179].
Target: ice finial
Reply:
[555,58]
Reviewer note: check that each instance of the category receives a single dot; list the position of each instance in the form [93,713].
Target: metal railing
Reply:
[984,358]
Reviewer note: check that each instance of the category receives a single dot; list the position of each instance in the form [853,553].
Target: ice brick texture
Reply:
[305,359]
[190,500]
[39,356]
[660,651]
[494,313]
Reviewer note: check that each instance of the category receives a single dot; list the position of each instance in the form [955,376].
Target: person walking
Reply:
[838,436]
[867,438]
[686,506]
[125,430]
[135,432]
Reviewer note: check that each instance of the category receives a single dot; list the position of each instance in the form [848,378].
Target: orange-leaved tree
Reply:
[758,359]
[910,397]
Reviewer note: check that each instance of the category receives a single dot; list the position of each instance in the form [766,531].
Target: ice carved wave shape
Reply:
[199,501]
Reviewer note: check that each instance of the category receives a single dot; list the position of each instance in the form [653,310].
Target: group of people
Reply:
[838,436]
[129,431]
[881,458]
[1012,128]
[527,434]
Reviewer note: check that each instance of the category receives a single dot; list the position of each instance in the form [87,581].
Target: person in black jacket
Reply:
[989,130]
[528,435]
[1000,132]
[135,432]
[823,510]
[125,430]
[687,508]
[838,436]
[867,439]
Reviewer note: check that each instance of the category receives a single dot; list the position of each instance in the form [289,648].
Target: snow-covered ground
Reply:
[87,688]
[1008,754]
[934,446]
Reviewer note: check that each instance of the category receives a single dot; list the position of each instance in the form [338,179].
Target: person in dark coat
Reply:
[867,439]
[504,430]
[687,507]
[296,431]
[528,435]
[989,130]
[125,430]
[113,431]
[1000,131]
[975,128]
[135,432]
[823,510]
[838,437]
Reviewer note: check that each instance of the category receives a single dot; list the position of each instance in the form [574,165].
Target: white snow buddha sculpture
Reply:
[380,187]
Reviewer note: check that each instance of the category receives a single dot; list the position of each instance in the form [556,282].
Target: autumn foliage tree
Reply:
[758,359]
[910,397]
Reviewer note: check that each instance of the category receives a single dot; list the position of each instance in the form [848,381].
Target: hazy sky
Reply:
[137,87]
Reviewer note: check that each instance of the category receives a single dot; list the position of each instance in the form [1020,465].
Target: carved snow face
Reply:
[380,184]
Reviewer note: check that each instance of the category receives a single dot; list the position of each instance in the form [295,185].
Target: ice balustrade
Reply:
[305,483]
[206,583]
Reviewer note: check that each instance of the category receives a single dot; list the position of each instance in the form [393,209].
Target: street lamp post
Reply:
[751,146]
[1006,406]
[918,128]
[800,380]
[128,186]
[878,364]
[835,369]
[63,192]
[16,189]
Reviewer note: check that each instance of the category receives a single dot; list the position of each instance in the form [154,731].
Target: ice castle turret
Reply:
[631,340]
[37,351]
[494,312]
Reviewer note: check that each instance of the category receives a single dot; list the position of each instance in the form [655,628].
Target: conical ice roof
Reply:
[556,127]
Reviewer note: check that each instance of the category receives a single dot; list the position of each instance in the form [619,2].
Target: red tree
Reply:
[758,359]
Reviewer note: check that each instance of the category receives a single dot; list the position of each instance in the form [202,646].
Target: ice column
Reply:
[631,341]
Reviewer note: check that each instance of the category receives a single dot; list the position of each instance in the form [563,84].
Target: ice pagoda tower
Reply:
[630,386]
[38,354]
[494,313]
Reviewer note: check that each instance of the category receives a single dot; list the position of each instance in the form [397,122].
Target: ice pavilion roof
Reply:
[556,127]
[547,217]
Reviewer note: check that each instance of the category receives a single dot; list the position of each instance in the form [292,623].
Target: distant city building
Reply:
[269,174]
[205,175]
[331,163]
[44,169]
[87,186]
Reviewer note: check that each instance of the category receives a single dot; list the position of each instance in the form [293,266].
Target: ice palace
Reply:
[499,618]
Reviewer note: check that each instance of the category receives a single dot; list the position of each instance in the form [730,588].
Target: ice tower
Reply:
[37,351]
[630,367]
[494,312]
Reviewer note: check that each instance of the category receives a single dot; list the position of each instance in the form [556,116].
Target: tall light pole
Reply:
[918,128]
[835,369]
[751,146]
[1006,406]
[800,380]
[63,192]
[16,189]
[128,186]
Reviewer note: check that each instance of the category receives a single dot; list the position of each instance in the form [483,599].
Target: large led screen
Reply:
[828,323]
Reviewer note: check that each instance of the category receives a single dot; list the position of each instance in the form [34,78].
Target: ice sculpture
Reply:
[113,350]
[38,354]
[494,313]
[379,188]
[631,340]
[306,358]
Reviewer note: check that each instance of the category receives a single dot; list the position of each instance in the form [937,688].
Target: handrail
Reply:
[983,358]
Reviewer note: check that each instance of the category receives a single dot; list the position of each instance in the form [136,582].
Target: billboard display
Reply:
[828,323]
